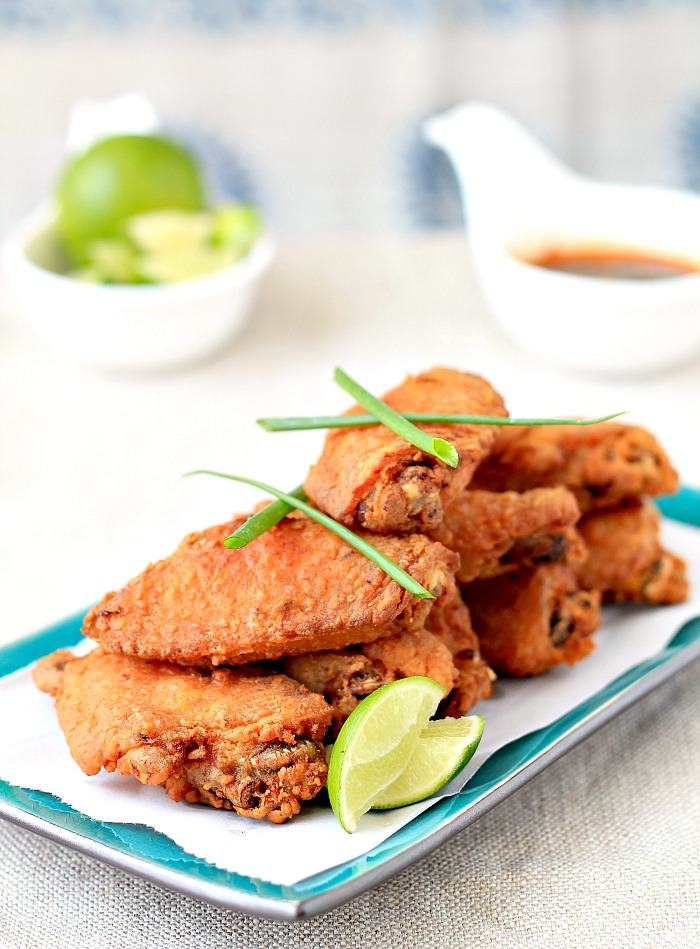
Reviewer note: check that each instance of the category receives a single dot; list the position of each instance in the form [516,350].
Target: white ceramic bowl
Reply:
[137,328]
[521,201]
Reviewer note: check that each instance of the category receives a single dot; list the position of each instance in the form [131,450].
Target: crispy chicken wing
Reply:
[450,621]
[240,739]
[602,464]
[530,620]
[373,478]
[347,676]
[495,531]
[626,560]
[297,588]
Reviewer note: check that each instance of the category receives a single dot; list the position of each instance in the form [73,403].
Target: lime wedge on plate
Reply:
[443,748]
[375,744]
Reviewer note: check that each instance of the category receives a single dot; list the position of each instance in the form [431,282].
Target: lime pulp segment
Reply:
[442,750]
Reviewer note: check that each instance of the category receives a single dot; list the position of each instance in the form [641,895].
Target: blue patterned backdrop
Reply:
[231,16]
[313,109]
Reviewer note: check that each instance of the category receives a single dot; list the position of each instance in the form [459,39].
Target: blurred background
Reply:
[312,108]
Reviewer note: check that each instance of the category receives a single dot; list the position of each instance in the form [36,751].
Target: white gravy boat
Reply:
[520,201]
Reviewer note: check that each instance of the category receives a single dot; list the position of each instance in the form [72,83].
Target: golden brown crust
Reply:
[601,464]
[450,621]
[297,588]
[242,739]
[626,560]
[347,676]
[530,620]
[495,531]
[373,478]
[48,671]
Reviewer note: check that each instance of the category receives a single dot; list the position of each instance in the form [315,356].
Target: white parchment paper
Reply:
[35,755]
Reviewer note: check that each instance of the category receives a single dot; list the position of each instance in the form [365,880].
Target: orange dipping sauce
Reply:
[614,263]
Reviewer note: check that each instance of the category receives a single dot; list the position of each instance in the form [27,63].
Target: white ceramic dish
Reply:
[127,328]
[520,200]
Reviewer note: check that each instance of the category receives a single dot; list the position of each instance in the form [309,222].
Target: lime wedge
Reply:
[184,264]
[113,259]
[375,744]
[236,226]
[87,274]
[167,232]
[443,748]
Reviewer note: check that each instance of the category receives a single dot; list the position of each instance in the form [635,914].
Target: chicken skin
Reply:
[601,464]
[240,739]
[626,560]
[347,676]
[295,589]
[369,477]
[451,622]
[495,531]
[530,620]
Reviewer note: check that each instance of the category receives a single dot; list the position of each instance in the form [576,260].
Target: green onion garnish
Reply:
[437,447]
[258,523]
[396,572]
[295,424]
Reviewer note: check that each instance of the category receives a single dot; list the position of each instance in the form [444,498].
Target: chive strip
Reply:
[258,523]
[396,572]
[437,447]
[299,423]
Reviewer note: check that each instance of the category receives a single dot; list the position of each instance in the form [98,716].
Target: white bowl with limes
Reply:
[127,326]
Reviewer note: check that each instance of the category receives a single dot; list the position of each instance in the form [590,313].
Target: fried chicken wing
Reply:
[530,620]
[240,739]
[495,531]
[450,621]
[295,589]
[372,478]
[347,676]
[626,560]
[601,464]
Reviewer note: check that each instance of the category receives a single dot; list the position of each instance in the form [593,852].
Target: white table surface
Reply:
[91,465]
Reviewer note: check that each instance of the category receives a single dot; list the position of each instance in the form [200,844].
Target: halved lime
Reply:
[443,748]
[375,744]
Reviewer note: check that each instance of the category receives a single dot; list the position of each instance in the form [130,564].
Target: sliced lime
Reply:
[167,232]
[236,226]
[375,744]
[443,748]
[184,264]
[113,259]
[86,274]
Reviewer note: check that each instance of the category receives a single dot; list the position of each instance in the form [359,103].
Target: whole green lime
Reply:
[119,177]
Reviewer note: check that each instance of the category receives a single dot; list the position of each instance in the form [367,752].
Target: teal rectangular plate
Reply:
[153,856]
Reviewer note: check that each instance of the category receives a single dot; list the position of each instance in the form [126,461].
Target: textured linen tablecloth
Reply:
[602,849]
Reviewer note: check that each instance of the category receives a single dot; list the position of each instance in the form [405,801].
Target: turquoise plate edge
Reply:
[152,847]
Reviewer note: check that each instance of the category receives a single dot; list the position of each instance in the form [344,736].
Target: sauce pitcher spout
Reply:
[494,158]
